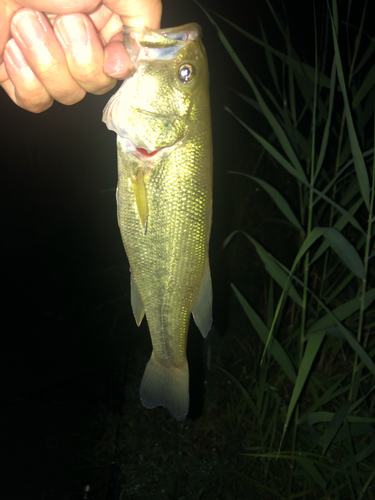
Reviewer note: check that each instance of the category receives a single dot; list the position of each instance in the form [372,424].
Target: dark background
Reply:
[69,337]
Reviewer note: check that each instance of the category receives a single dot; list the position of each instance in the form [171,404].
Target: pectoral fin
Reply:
[140,193]
[137,304]
[202,311]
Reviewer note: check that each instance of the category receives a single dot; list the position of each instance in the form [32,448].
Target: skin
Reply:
[75,48]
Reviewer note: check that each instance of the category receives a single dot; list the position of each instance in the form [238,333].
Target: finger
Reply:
[138,13]
[5,17]
[23,87]
[102,16]
[116,60]
[59,7]
[117,63]
[43,53]
[3,72]
[112,26]
[84,52]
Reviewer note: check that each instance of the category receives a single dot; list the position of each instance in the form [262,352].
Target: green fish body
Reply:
[161,115]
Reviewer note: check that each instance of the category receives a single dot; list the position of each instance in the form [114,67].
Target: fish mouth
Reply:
[143,155]
[146,154]
[146,44]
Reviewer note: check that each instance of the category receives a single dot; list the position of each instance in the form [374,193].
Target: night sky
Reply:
[67,324]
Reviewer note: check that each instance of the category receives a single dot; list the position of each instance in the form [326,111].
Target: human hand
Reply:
[61,58]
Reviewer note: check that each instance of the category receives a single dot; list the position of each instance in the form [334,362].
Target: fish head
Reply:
[157,105]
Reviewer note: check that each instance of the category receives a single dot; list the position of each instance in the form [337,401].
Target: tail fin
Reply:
[167,386]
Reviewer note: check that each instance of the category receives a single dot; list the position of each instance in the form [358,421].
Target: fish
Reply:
[162,118]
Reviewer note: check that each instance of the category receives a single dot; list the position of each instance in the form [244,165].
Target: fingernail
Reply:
[30,26]
[72,30]
[15,54]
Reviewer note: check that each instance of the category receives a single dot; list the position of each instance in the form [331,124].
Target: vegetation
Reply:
[320,329]
[292,413]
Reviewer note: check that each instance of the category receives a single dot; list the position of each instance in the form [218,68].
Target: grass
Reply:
[290,411]
[320,119]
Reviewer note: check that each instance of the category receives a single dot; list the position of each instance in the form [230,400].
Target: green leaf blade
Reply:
[346,252]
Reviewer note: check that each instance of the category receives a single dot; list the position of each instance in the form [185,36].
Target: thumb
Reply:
[137,13]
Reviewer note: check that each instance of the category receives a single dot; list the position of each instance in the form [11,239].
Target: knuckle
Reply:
[40,107]
[88,74]
[70,98]
[35,100]
[48,72]
[61,85]
[104,89]
[93,80]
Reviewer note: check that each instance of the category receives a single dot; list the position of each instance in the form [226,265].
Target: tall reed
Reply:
[321,132]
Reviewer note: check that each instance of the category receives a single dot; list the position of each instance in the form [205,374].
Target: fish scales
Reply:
[165,199]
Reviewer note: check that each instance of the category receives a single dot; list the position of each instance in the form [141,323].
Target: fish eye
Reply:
[186,73]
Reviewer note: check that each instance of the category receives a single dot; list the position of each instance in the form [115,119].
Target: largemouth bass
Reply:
[161,115]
